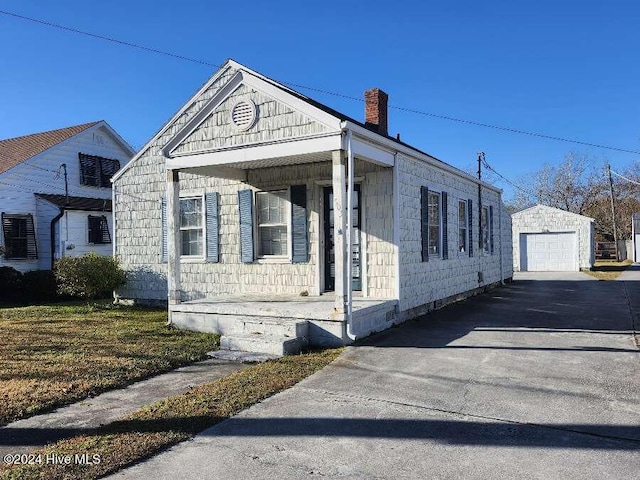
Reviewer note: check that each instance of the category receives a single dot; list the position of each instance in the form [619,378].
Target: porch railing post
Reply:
[173,237]
[339,227]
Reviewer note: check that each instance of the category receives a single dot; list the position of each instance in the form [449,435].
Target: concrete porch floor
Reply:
[285,306]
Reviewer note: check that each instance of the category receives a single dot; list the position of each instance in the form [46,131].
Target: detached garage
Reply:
[552,240]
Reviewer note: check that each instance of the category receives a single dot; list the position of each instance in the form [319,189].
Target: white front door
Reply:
[548,252]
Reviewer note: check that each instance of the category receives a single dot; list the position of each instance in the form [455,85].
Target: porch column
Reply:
[339,227]
[173,236]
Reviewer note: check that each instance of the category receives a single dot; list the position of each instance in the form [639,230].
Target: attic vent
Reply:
[243,114]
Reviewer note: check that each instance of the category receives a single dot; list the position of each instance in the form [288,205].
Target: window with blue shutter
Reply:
[445,235]
[424,217]
[245,206]
[299,238]
[211,205]
[470,205]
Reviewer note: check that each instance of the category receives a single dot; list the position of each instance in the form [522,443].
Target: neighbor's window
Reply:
[191,227]
[485,229]
[97,171]
[272,223]
[19,237]
[462,226]
[99,230]
[434,223]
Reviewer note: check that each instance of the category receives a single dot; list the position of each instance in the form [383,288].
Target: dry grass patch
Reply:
[608,269]
[175,419]
[54,355]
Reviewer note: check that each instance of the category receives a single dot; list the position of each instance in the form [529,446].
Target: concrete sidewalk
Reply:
[25,435]
[539,379]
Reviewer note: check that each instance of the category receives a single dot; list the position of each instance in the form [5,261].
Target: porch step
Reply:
[269,344]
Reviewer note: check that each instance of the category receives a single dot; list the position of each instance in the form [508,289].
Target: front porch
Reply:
[281,324]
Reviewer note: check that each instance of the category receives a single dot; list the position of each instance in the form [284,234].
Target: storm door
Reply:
[329,251]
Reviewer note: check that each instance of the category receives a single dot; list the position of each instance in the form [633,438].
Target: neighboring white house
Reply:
[55,193]
[550,239]
[239,213]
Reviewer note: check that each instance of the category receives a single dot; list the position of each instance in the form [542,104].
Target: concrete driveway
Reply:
[539,379]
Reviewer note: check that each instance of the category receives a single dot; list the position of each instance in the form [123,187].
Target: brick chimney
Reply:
[375,110]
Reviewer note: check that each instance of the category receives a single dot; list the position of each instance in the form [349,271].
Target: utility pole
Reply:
[613,213]
[480,239]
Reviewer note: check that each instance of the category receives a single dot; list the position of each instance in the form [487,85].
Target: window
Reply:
[98,230]
[191,227]
[19,237]
[485,228]
[462,226]
[97,171]
[272,223]
[434,223]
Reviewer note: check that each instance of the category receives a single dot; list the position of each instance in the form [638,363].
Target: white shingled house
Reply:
[549,239]
[55,194]
[274,220]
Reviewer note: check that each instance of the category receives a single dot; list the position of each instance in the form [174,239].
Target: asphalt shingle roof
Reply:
[14,151]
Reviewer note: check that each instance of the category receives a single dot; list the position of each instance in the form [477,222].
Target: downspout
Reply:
[53,235]
[349,275]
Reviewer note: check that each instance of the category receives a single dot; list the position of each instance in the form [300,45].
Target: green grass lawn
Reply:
[58,354]
[608,269]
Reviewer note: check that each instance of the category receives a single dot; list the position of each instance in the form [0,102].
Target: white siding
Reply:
[38,175]
[544,219]
[436,279]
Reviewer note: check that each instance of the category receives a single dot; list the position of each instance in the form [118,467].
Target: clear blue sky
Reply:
[563,68]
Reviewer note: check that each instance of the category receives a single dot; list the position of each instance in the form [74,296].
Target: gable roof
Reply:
[14,151]
[78,203]
[387,140]
[540,206]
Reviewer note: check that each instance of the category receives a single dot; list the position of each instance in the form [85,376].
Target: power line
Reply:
[326,92]
[108,39]
[489,167]
[624,178]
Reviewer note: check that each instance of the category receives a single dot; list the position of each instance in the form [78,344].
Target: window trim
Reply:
[201,227]
[259,257]
[464,227]
[438,253]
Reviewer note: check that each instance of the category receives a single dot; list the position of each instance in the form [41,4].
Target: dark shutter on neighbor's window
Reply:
[211,203]
[245,205]
[445,234]
[491,228]
[424,226]
[163,210]
[470,204]
[299,240]
[99,229]
[18,229]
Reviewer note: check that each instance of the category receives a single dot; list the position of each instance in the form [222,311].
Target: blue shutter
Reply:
[211,204]
[445,235]
[424,217]
[491,228]
[245,204]
[299,240]
[470,203]
[163,209]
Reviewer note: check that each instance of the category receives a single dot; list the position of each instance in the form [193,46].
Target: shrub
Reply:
[39,285]
[10,283]
[90,276]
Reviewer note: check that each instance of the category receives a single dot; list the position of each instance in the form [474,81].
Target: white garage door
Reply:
[548,252]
